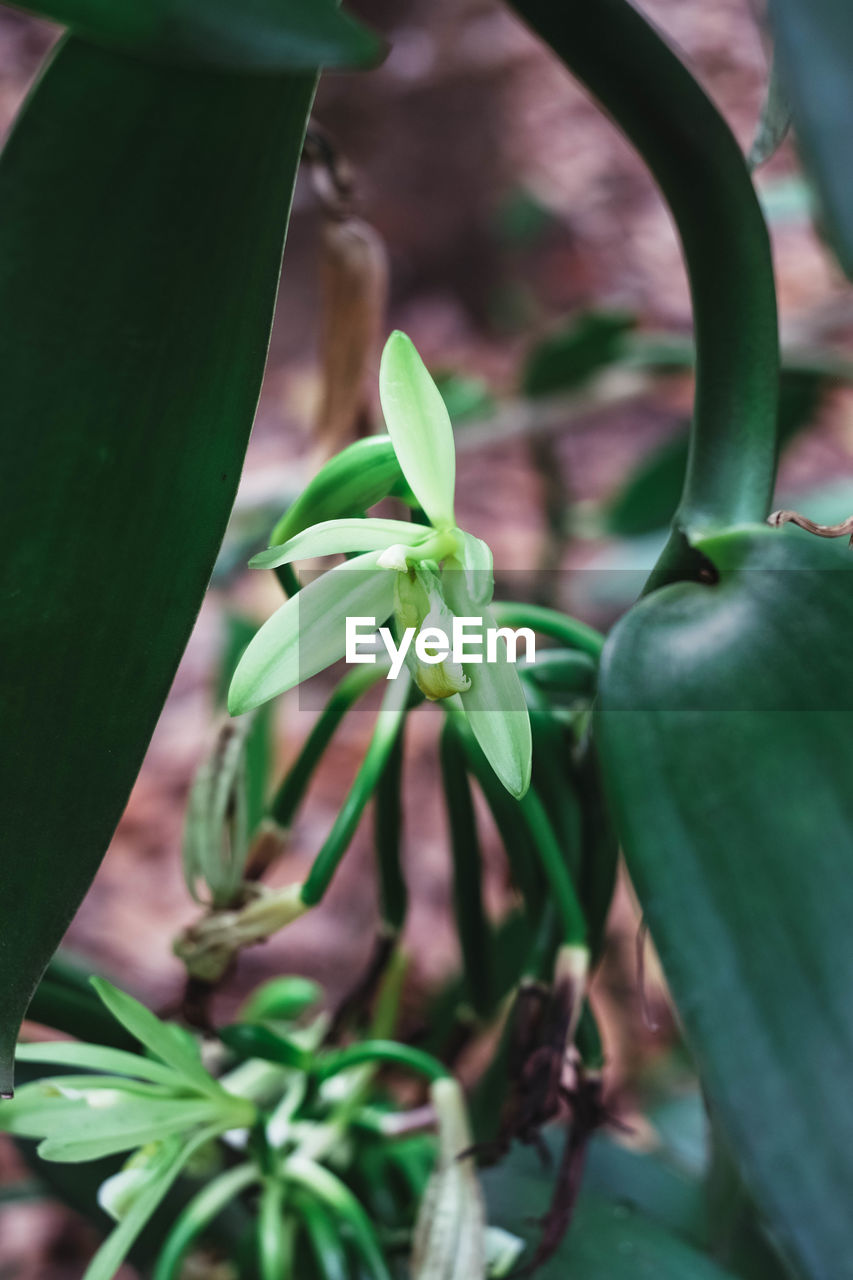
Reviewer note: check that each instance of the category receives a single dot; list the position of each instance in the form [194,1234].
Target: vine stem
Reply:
[696,161]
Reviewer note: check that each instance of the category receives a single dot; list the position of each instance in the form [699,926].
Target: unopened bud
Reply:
[449,1239]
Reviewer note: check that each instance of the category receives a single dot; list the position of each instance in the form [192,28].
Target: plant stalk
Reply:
[696,161]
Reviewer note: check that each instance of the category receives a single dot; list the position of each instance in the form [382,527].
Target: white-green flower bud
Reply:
[419,603]
[449,1240]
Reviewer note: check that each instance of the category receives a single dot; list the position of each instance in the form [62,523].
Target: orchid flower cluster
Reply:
[421,575]
[277,1131]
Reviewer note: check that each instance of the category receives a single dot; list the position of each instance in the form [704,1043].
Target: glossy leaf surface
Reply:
[724,728]
[243,35]
[143,218]
[609,1239]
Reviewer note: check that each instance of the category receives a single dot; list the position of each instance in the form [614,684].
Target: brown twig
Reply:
[840,530]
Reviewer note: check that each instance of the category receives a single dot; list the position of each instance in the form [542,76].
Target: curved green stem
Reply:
[198,1215]
[323,1237]
[373,1051]
[354,684]
[554,866]
[388,723]
[387,839]
[559,626]
[698,165]
[472,924]
[513,830]
[337,1197]
[275,1232]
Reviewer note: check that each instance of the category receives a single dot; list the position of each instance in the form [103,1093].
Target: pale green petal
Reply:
[419,425]
[335,536]
[497,713]
[478,566]
[308,634]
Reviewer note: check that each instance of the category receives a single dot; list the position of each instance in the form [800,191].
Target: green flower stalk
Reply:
[422,576]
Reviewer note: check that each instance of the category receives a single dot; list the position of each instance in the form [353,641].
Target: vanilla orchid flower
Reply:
[421,575]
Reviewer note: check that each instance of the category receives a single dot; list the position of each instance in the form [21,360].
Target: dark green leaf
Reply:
[566,359]
[609,1239]
[143,218]
[814,47]
[724,730]
[240,35]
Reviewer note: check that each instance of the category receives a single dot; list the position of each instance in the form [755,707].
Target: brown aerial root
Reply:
[841,530]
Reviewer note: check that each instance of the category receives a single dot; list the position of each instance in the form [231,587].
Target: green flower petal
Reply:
[477,563]
[308,632]
[497,713]
[335,536]
[419,426]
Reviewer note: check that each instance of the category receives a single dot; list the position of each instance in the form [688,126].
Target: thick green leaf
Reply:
[609,1239]
[240,35]
[724,725]
[143,218]
[814,47]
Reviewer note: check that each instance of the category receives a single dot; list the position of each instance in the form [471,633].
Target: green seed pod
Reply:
[350,482]
[281,1000]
